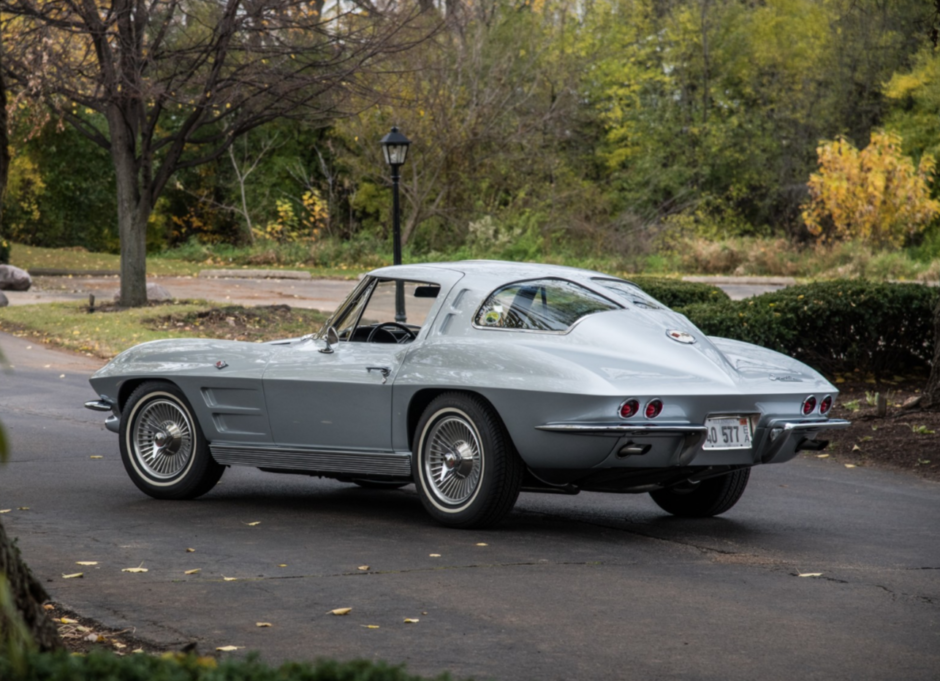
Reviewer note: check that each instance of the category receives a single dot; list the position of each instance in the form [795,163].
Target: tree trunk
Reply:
[28,597]
[133,208]
[932,391]
[4,140]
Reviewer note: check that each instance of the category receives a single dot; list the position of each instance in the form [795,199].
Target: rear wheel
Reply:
[705,499]
[162,445]
[466,470]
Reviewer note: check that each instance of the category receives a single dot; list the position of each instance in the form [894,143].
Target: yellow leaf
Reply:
[137,651]
[228,649]
[850,465]
[262,625]
[369,626]
[810,574]
[23,508]
[66,620]
[5,510]
[48,606]
[229,579]
[409,620]
[822,456]
[139,568]
[118,644]
[482,544]
[74,575]
[434,555]
[86,562]
[283,565]
[95,456]
[257,522]
[363,567]
[856,448]
[190,550]
[192,572]
[341,611]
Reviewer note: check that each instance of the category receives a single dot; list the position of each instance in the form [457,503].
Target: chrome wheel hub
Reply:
[453,463]
[163,438]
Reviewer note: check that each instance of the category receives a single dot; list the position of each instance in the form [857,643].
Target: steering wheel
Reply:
[411,335]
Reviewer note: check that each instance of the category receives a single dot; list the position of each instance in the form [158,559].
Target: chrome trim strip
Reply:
[99,405]
[314,460]
[665,429]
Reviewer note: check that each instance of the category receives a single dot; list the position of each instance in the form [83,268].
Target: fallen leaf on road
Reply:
[423,613]
[856,448]
[86,562]
[74,575]
[369,626]
[66,620]
[408,620]
[23,508]
[229,579]
[822,456]
[5,510]
[257,522]
[341,611]
[118,644]
[48,606]
[192,572]
[283,565]
[96,456]
[850,465]
[139,568]
[262,625]
[226,649]
[190,550]
[810,574]
[434,555]
[363,567]
[482,544]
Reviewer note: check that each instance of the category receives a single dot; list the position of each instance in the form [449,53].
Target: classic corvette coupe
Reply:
[474,381]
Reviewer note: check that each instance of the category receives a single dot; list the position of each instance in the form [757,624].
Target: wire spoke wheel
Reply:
[454,462]
[163,439]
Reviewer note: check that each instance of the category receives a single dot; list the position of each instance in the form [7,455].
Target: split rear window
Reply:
[540,305]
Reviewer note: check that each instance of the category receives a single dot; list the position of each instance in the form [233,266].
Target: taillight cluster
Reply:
[809,405]
[631,407]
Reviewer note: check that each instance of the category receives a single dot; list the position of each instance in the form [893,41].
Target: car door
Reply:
[341,400]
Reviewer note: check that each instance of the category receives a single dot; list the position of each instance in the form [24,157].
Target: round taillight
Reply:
[809,404]
[653,408]
[629,408]
[825,405]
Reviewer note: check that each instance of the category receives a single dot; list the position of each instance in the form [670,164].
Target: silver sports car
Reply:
[473,380]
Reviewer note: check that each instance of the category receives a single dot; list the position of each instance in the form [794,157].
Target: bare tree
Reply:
[170,84]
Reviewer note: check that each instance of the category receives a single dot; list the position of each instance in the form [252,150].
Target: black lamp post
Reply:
[395,148]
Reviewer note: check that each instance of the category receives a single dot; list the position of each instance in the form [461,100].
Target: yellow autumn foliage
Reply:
[875,195]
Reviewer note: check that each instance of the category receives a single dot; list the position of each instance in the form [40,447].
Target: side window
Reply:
[380,323]
[540,305]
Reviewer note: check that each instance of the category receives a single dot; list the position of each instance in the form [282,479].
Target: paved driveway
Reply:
[593,586]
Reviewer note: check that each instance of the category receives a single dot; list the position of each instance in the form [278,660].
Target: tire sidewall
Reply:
[181,482]
[424,428]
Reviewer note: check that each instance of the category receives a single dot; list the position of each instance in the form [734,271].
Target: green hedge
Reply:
[836,326]
[105,666]
[677,293]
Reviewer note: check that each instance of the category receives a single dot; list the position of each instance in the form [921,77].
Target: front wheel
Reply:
[162,445]
[705,499]
[466,470]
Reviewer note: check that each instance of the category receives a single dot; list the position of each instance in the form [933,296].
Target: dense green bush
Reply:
[105,666]
[678,293]
[834,326]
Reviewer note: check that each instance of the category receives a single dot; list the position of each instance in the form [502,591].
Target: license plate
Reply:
[728,433]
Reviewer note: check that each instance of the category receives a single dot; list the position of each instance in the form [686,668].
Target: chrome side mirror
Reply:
[332,338]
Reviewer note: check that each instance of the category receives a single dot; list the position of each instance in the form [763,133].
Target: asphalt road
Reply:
[593,586]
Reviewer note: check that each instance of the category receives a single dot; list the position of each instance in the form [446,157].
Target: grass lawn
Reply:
[109,331]
[35,258]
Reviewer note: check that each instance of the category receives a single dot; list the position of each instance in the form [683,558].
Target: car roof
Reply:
[497,271]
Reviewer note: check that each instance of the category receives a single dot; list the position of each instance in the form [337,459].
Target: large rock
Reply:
[3,300]
[14,279]
[155,293]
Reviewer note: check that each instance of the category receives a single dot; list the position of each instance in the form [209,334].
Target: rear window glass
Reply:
[630,291]
[540,305]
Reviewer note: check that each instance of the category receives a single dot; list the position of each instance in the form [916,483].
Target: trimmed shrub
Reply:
[834,326]
[106,666]
[677,293]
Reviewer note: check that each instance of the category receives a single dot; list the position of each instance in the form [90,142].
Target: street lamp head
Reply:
[395,148]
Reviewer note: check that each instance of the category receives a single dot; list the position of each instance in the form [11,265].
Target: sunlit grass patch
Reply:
[78,259]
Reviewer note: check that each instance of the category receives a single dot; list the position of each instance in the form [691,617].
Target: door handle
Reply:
[385,371]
